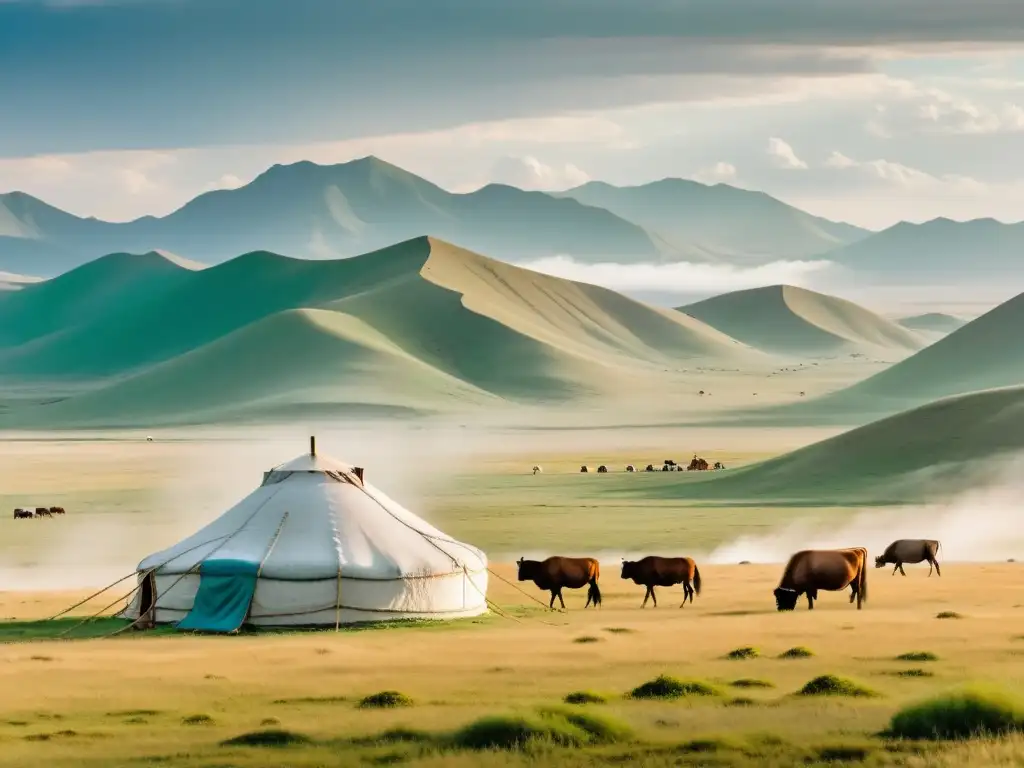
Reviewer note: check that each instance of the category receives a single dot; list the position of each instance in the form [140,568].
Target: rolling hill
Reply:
[422,325]
[720,222]
[933,322]
[938,251]
[934,449]
[985,353]
[795,321]
[324,212]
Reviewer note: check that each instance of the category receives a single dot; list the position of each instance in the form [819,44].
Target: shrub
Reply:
[740,701]
[587,639]
[917,656]
[797,653]
[385,700]
[948,615]
[516,732]
[665,687]
[751,683]
[269,738]
[830,685]
[585,697]
[197,720]
[912,673]
[600,729]
[964,714]
[746,652]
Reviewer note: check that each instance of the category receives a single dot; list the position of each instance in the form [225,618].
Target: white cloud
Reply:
[839,160]
[681,277]
[719,172]
[783,155]
[899,175]
[527,172]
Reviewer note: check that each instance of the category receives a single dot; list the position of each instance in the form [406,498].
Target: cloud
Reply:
[895,174]
[717,173]
[681,277]
[783,155]
[528,172]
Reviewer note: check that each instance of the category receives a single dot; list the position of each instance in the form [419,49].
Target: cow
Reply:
[829,569]
[602,469]
[22,514]
[650,468]
[557,573]
[910,551]
[57,510]
[630,468]
[584,468]
[654,571]
[43,512]
[537,469]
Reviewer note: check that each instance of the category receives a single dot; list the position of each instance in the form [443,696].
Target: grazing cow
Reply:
[57,510]
[719,465]
[584,468]
[654,571]
[537,469]
[650,468]
[602,469]
[43,512]
[558,573]
[22,514]
[630,468]
[910,551]
[829,569]
[697,464]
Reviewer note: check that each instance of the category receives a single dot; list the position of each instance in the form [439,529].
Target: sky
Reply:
[869,112]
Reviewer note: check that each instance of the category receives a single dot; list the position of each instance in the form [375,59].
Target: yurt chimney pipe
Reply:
[312,445]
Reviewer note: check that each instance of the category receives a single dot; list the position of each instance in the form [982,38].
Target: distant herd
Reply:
[668,465]
[807,572]
[25,514]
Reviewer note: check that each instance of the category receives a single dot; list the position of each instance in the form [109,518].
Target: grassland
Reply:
[159,699]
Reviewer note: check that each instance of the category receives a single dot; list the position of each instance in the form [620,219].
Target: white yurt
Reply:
[314,545]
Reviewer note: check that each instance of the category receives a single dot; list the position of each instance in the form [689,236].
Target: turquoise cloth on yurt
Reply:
[226,589]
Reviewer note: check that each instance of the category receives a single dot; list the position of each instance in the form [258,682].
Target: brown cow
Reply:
[22,514]
[556,573]
[57,510]
[829,569]
[43,512]
[654,571]
[910,551]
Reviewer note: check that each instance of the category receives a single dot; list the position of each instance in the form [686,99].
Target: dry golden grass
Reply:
[122,699]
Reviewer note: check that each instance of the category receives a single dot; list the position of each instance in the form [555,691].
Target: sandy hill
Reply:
[418,323]
[933,322]
[939,251]
[790,320]
[720,222]
[324,212]
[932,448]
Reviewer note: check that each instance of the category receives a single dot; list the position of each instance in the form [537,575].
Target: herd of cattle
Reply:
[696,464]
[807,572]
[25,514]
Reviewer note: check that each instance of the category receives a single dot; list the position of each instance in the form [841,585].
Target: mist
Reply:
[979,525]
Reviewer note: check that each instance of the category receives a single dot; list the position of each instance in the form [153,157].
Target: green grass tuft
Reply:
[268,738]
[917,656]
[600,729]
[556,727]
[665,687]
[799,652]
[587,639]
[197,720]
[965,714]
[585,697]
[747,652]
[385,700]
[830,685]
[948,615]
[916,672]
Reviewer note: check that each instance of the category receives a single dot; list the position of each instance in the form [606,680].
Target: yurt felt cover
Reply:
[226,589]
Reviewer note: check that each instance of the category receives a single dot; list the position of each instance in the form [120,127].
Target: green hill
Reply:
[186,345]
[796,321]
[931,449]
[720,222]
[933,322]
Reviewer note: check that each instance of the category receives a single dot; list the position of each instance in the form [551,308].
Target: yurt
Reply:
[313,545]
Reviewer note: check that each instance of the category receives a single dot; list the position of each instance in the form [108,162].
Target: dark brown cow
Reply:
[57,510]
[557,573]
[829,569]
[910,551]
[654,571]
[43,512]
[22,514]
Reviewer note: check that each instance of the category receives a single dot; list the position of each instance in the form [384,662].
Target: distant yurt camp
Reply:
[313,545]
